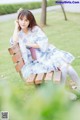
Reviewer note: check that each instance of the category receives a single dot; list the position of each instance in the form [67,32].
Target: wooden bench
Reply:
[33,78]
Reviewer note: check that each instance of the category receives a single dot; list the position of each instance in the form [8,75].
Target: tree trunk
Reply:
[64,12]
[43,13]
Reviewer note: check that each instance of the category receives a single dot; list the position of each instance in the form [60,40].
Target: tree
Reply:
[43,13]
[62,7]
[63,11]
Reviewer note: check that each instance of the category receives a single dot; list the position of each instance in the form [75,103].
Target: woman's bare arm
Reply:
[15,34]
[34,45]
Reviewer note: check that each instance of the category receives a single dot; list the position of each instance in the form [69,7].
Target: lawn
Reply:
[63,34]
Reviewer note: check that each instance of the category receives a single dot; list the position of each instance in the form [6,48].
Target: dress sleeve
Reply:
[41,39]
[24,51]
[11,41]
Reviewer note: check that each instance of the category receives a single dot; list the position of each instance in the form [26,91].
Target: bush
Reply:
[47,103]
[12,8]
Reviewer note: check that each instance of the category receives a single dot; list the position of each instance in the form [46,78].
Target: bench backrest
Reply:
[16,57]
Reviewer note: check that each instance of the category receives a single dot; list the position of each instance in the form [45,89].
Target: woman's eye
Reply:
[26,20]
[21,19]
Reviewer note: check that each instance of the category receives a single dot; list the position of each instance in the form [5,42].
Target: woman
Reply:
[48,57]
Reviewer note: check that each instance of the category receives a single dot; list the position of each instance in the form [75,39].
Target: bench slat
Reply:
[49,76]
[39,78]
[14,49]
[57,76]
[16,57]
[19,65]
[31,79]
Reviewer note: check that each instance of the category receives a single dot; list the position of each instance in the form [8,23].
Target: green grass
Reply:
[64,35]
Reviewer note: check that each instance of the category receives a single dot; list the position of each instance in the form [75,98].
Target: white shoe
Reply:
[71,95]
[76,88]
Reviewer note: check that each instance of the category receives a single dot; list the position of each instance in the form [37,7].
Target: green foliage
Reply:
[51,2]
[25,102]
[49,102]
[12,8]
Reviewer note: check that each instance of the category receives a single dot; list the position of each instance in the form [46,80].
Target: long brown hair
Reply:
[29,16]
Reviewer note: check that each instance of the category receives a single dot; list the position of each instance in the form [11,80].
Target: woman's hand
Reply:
[34,45]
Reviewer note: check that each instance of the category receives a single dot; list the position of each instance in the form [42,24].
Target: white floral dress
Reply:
[49,58]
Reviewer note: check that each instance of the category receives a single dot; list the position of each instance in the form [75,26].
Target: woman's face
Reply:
[24,23]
